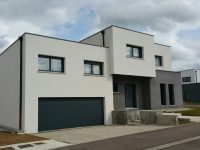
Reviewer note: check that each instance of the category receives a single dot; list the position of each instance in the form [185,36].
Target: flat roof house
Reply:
[191,85]
[48,83]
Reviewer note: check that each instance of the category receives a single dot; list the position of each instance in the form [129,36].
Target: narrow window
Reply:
[159,61]
[115,87]
[163,94]
[186,79]
[93,67]
[50,63]
[171,94]
[134,51]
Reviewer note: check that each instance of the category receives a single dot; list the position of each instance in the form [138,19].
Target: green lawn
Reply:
[194,112]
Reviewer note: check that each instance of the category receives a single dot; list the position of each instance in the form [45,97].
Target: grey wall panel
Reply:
[166,77]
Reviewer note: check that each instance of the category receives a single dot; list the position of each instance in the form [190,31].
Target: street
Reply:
[148,140]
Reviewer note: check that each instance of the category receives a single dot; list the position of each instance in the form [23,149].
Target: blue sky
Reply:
[173,22]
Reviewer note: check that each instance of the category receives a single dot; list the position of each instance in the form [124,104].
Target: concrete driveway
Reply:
[95,133]
[185,137]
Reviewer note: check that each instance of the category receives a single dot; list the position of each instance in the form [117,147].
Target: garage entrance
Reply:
[58,113]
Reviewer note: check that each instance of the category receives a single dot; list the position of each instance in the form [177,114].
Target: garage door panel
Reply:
[58,113]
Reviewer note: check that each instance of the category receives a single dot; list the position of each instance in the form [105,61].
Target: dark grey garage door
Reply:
[58,113]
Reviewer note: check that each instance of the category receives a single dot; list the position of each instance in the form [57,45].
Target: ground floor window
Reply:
[171,94]
[163,94]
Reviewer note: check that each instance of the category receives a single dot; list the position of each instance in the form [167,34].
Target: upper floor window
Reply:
[186,79]
[134,51]
[158,61]
[50,63]
[93,67]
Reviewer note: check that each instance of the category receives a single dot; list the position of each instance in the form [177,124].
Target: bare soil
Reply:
[13,138]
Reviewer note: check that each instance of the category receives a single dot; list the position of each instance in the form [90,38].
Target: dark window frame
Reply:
[186,79]
[92,63]
[50,58]
[160,59]
[141,51]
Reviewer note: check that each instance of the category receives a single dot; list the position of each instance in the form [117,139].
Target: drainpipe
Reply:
[103,37]
[196,76]
[21,70]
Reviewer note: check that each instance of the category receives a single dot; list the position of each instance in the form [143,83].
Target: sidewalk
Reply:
[39,145]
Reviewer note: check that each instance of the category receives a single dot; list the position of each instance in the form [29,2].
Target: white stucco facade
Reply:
[71,83]
[120,63]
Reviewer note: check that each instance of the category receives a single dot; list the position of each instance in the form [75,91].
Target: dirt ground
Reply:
[13,138]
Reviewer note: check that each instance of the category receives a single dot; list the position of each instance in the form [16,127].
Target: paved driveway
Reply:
[95,133]
[147,140]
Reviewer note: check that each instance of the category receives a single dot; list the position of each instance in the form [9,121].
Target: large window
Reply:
[186,79]
[159,61]
[134,51]
[50,63]
[93,67]
[163,94]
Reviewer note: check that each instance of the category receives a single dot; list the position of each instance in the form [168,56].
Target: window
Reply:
[171,94]
[163,94]
[50,63]
[115,87]
[159,61]
[186,79]
[92,67]
[134,51]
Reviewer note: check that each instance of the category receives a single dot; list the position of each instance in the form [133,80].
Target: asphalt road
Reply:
[193,145]
[146,140]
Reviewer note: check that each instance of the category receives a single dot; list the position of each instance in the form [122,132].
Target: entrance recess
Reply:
[130,95]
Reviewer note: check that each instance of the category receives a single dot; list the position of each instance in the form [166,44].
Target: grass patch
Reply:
[195,111]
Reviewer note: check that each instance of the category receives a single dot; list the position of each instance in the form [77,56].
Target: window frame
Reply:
[161,60]
[186,79]
[140,51]
[50,68]
[91,63]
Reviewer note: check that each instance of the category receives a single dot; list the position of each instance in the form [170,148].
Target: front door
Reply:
[130,96]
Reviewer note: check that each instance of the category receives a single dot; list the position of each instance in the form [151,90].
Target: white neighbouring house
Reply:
[48,83]
[191,85]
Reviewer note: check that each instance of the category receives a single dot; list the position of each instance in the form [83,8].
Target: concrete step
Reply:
[173,114]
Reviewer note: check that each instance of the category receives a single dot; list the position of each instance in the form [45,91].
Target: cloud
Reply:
[173,22]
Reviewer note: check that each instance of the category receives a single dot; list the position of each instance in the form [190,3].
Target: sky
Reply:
[173,22]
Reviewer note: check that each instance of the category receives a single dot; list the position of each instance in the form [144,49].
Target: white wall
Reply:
[191,73]
[72,83]
[10,86]
[165,52]
[116,39]
[131,66]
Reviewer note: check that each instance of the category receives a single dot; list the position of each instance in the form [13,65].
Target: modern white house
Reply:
[48,83]
[190,76]
[191,85]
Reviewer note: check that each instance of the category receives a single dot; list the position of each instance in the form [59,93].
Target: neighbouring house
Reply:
[191,85]
[49,83]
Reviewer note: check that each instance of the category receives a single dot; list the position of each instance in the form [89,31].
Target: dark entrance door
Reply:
[130,95]
[58,113]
